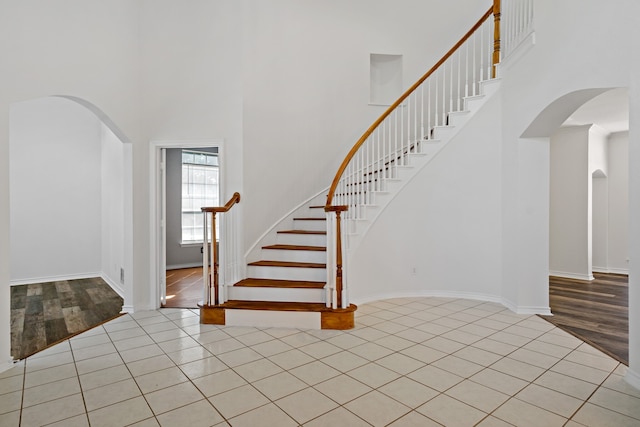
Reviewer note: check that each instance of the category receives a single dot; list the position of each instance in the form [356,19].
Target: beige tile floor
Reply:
[409,362]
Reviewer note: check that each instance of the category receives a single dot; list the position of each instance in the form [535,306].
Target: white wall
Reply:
[618,215]
[570,204]
[191,74]
[600,223]
[55,191]
[112,208]
[598,170]
[178,256]
[306,86]
[597,206]
[589,208]
[555,76]
[47,50]
[441,235]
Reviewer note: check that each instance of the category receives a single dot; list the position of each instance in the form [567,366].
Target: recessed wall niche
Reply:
[385,82]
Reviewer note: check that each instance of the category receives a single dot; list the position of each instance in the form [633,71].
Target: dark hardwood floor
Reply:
[43,314]
[184,288]
[595,311]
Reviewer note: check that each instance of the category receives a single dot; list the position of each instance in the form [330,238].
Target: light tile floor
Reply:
[409,362]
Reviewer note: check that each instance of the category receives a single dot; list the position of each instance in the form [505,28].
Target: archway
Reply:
[588,131]
[70,191]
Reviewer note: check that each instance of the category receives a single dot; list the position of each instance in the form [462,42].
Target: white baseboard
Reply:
[633,379]
[426,294]
[611,270]
[189,265]
[619,271]
[48,279]
[571,275]
[116,287]
[10,363]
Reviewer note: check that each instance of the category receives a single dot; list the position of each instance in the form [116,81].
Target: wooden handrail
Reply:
[393,106]
[214,251]
[232,201]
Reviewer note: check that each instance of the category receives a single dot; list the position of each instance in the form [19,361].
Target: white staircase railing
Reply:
[517,19]
[213,293]
[405,128]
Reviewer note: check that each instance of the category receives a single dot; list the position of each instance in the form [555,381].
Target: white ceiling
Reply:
[609,111]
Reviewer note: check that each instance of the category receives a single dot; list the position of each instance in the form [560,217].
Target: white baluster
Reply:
[428,135]
[206,291]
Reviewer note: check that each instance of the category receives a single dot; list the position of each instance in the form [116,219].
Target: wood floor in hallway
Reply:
[184,287]
[595,311]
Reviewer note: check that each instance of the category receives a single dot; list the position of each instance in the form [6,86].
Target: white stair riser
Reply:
[458,118]
[302,239]
[275,294]
[294,255]
[311,225]
[473,103]
[287,273]
[443,132]
[273,319]
[489,87]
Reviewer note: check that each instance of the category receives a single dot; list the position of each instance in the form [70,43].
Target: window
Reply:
[199,188]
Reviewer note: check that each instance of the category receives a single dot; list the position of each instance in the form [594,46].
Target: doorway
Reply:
[185,176]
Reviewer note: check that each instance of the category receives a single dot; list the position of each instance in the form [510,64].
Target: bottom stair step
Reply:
[278,314]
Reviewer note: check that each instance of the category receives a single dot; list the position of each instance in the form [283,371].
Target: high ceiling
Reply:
[610,111]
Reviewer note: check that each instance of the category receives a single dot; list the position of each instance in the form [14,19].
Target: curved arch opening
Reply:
[587,132]
[70,194]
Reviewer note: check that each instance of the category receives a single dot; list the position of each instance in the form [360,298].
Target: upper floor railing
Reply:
[517,18]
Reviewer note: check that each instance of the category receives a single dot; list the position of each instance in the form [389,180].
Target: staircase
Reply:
[297,280]
[286,287]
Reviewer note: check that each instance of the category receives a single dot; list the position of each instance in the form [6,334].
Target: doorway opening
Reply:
[186,177]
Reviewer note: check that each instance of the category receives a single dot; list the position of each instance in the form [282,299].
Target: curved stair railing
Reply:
[405,128]
[213,293]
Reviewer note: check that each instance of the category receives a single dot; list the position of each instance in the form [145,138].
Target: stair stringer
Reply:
[442,135]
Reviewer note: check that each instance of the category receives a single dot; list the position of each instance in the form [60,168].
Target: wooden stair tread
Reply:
[310,219]
[281,306]
[273,283]
[296,248]
[302,232]
[288,264]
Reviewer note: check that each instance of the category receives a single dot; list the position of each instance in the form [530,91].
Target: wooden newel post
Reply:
[496,36]
[338,261]
[214,259]
[338,210]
